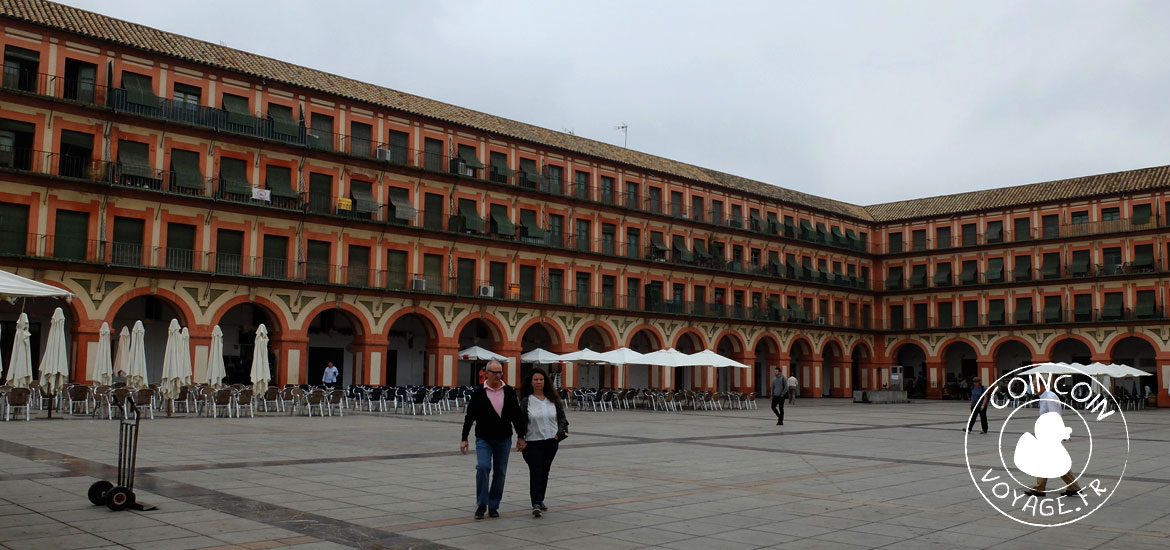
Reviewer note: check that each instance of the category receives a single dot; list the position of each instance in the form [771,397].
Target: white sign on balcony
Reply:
[261,194]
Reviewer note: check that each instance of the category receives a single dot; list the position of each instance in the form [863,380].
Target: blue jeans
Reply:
[491,457]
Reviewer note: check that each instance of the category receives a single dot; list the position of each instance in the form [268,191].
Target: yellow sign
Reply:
[344,204]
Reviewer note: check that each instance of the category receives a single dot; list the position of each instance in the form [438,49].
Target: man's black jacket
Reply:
[488,424]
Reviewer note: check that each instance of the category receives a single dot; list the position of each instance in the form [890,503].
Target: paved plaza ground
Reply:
[838,475]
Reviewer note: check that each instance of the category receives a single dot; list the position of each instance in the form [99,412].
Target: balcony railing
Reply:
[1038,316]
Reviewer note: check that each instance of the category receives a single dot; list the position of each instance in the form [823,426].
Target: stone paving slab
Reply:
[838,475]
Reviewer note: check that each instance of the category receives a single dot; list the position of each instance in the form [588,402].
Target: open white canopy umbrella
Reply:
[136,369]
[20,363]
[708,358]
[540,356]
[667,358]
[1059,368]
[15,286]
[122,358]
[260,373]
[55,362]
[173,375]
[584,356]
[1125,371]
[215,369]
[103,368]
[622,356]
[476,353]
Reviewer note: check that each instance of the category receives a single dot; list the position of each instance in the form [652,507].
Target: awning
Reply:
[995,311]
[531,172]
[1080,263]
[757,222]
[1145,309]
[1052,312]
[942,275]
[1083,306]
[1113,306]
[969,274]
[235,177]
[467,155]
[532,229]
[995,270]
[797,271]
[237,109]
[139,90]
[1023,269]
[504,226]
[15,286]
[789,228]
[363,198]
[918,276]
[894,280]
[814,274]
[1023,314]
[400,204]
[134,159]
[1051,267]
[279,181]
[500,165]
[806,228]
[837,235]
[282,120]
[679,247]
[1141,214]
[656,242]
[186,167]
[1143,257]
[471,219]
[994,232]
[701,249]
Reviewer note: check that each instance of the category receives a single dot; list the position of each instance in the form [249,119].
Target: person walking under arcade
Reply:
[546,427]
[495,411]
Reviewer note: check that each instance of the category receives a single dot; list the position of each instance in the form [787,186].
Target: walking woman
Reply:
[547,426]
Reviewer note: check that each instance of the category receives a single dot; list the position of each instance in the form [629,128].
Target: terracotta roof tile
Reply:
[133,35]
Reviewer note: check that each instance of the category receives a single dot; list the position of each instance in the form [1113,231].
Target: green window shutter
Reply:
[657,242]
[399,145]
[237,110]
[469,216]
[399,205]
[395,269]
[432,211]
[317,261]
[361,140]
[139,89]
[531,173]
[995,270]
[233,174]
[679,248]
[320,134]
[185,166]
[1023,269]
[942,275]
[467,155]
[499,162]
[894,278]
[80,140]
[13,229]
[995,311]
[918,277]
[363,196]
[180,252]
[127,241]
[1146,305]
[465,276]
[503,226]
[134,159]
[701,249]
[71,235]
[970,273]
[1080,263]
[1114,306]
[1141,214]
[527,282]
[1023,312]
[320,192]
[279,181]
[282,120]
[433,272]
[357,268]
[275,261]
[229,251]
[1143,256]
[1050,269]
[1082,304]
[528,221]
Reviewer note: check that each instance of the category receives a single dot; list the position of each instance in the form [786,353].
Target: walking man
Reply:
[495,411]
[793,384]
[779,392]
[1050,403]
[978,405]
[329,378]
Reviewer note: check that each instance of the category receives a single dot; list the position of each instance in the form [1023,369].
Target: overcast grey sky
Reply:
[864,102]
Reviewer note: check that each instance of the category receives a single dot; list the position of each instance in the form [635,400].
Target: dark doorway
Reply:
[390,378]
[319,358]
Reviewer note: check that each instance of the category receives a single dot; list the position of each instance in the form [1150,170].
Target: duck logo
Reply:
[1035,445]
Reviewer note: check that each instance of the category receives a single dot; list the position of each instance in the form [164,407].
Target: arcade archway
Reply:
[156,313]
[1071,350]
[406,350]
[961,365]
[333,334]
[912,359]
[239,325]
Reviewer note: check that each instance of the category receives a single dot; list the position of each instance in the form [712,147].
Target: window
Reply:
[556,179]
[357,268]
[186,177]
[655,205]
[583,236]
[633,243]
[283,123]
[1052,312]
[736,216]
[583,288]
[499,223]
[80,79]
[581,185]
[465,277]
[320,193]
[14,231]
[275,261]
[1023,269]
[433,154]
[229,251]
[894,279]
[994,232]
[631,198]
[995,313]
[895,242]
[318,257]
[556,229]
[607,190]
[608,292]
[1050,226]
[1022,229]
[134,165]
[361,139]
[1141,214]
[556,286]
[239,115]
[946,315]
[126,248]
[970,273]
[396,270]
[138,91]
[1114,306]
[320,134]
[633,293]
[189,95]
[608,239]
[717,212]
[433,275]
[970,313]
[1146,306]
[433,211]
[527,283]
[697,207]
[1082,307]
[76,152]
[897,317]
[1110,214]
[970,234]
[180,252]
[1080,217]
[918,238]
[1112,260]
[995,270]
[70,235]
[1024,313]
[397,147]
[676,204]
[942,237]
[921,316]
[21,68]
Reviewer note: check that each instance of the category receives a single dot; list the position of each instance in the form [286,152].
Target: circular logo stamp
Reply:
[1060,452]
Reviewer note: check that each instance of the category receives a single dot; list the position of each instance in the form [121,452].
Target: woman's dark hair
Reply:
[550,393]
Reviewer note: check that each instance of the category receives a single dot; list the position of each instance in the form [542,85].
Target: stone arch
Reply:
[801,363]
[652,332]
[495,329]
[539,334]
[911,356]
[351,311]
[555,334]
[860,359]
[270,307]
[1009,353]
[155,310]
[173,299]
[1000,342]
[1066,349]
[412,339]
[732,338]
[960,364]
[1111,347]
[689,340]
[595,331]
[430,322]
[731,344]
[1136,350]
[486,332]
[239,320]
[335,334]
[645,339]
[80,331]
[766,351]
[833,368]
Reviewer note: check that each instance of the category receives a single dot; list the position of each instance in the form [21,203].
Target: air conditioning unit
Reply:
[820,320]
[384,155]
[419,285]
[486,291]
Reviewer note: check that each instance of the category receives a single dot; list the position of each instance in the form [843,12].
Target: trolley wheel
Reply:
[119,498]
[97,492]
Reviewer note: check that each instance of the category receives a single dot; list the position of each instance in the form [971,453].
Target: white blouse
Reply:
[542,419]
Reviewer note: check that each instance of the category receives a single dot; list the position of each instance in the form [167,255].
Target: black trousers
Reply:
[539,456]
[778,407]
[981,412]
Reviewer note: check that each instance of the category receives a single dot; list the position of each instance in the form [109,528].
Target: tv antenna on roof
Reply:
[625,129]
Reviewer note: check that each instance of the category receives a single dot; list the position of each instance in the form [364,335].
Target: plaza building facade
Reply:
[156,176]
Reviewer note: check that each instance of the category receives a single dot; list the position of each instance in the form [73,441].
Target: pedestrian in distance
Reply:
[546,427]
[495,411]
[779,393]
[979,398]
[329,377]
[793,387]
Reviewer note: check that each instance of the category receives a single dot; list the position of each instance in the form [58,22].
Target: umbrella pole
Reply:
[168,407]
[52,399]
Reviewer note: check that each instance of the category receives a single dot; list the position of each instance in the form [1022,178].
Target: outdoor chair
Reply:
[315,398]
[271,400]
[336,398]
[220,399]
[203,398]
[17,399]
[183,399]
[435,400]
[145,399]
[79,396]
[418,400]
[244,401]
[117,401]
